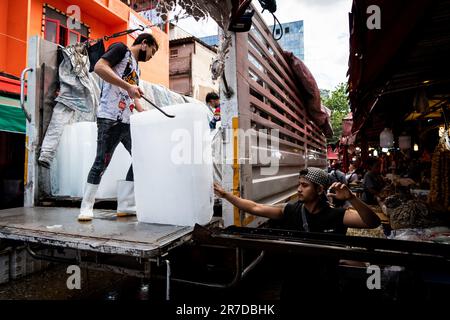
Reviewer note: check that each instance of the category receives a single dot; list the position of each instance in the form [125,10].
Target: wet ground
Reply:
[262,284]
[50,284]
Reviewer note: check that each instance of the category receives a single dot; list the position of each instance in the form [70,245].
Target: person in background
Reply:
[329,166]
[336,175]
[373,182]
[352,176]
[359,170]
[414,170]
[213,101]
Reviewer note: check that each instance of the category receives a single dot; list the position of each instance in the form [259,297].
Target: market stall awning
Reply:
[12,118]
[409,53]
[431,110]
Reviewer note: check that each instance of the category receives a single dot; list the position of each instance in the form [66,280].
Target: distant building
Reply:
[293,37]
[189,64]
[292,40]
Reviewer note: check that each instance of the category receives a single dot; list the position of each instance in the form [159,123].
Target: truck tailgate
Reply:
[105,234]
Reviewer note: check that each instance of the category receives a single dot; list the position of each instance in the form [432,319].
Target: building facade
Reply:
[293,37]
[190,61]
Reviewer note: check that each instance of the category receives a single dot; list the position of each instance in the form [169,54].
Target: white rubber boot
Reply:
[87,205]
[126,204]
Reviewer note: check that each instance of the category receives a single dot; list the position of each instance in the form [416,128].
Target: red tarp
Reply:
[308,85]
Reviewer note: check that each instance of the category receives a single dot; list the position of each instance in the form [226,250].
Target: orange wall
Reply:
[103,18]
[3,32]
[13,14]
[158,66]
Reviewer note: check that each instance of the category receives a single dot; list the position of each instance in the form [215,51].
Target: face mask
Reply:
[142,55]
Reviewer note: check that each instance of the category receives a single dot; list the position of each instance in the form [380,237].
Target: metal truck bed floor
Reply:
[105,234]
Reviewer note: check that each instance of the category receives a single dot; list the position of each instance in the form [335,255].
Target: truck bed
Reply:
[58,227]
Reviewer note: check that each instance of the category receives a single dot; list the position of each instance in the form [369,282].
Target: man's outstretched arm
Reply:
[257,209]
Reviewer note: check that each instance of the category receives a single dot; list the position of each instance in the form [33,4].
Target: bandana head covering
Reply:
[316,175]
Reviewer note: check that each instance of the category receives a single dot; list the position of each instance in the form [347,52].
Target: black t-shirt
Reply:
[310,278]
[116,52]
[371,181]
[328,220]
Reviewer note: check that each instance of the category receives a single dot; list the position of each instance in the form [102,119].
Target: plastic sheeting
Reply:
[159,95]
[78,88]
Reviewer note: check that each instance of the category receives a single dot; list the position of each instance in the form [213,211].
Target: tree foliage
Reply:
[337,102]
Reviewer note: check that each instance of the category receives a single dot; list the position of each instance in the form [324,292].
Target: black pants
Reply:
[110,133]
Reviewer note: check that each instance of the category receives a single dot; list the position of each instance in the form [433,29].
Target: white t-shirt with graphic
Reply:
[115,103]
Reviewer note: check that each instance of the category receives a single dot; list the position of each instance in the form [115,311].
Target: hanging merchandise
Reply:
[444,131]
[440,175]
[387,138]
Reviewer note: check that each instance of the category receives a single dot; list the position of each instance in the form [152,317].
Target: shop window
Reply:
[51,30]
[57,33]
[55,28]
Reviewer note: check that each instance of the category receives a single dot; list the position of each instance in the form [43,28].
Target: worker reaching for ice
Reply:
[312,211]
[119,68]
[311,278]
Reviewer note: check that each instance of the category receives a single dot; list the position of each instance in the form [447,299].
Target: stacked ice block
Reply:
[172,164]
[75,156]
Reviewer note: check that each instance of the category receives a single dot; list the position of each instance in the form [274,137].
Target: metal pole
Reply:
[168,275]
[22,93]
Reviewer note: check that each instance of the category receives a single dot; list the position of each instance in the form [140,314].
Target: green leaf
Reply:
[337,102]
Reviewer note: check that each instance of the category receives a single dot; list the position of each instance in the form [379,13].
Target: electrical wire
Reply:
[271,6]
[275,22]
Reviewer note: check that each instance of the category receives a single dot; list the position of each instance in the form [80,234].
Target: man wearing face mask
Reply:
[120,95]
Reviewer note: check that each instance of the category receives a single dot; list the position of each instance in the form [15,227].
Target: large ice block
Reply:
[74,158]
[172,164]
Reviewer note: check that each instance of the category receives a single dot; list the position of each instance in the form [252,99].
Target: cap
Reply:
[315,175]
